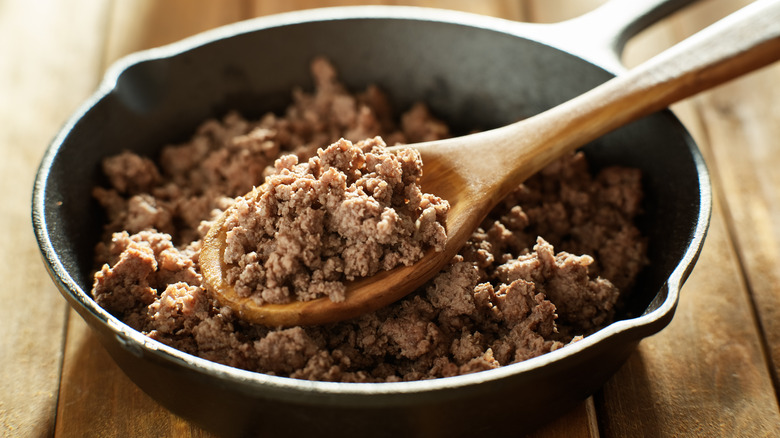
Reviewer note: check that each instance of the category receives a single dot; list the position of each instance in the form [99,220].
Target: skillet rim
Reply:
[633,328]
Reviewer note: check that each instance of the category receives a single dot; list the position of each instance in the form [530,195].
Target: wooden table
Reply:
[713,372]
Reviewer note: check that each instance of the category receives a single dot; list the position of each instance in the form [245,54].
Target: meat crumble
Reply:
[544,269]
[348,212]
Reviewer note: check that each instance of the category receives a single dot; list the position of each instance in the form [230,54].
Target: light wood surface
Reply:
[712,372]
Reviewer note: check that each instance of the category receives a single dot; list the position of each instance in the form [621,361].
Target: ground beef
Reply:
[544,269]
[346,213]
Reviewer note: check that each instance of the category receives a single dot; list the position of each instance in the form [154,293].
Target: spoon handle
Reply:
[740,43]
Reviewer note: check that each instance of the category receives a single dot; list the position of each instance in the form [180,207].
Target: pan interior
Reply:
[473,78]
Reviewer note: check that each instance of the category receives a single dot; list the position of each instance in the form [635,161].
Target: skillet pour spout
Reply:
[158,97]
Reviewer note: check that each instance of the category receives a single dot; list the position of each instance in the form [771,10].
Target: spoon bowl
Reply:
[738,44]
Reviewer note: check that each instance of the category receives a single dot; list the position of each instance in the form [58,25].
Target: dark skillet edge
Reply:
[131,348]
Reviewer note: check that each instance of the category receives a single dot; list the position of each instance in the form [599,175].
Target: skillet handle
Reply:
[600,35]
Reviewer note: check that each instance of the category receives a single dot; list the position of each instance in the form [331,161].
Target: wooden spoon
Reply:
[475,172]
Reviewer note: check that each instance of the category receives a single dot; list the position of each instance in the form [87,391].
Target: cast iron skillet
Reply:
[475,72]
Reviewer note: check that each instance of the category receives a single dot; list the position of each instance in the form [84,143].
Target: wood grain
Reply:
[98,400]
[141,25]
[742,121]
[710,373]
[509,9]
[706,372]
[553,11]
[39,44]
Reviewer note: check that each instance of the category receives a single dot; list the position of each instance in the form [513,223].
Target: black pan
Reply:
[475,72]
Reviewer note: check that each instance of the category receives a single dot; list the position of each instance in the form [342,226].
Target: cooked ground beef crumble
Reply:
[508,296]
[346,213]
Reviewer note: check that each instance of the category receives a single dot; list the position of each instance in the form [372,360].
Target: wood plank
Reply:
[509,9]
[580,422]
[743,124]
[267,7]
[140,25]
[705,374]
[96,398]
[742,120]
[553,11]
[39,44]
